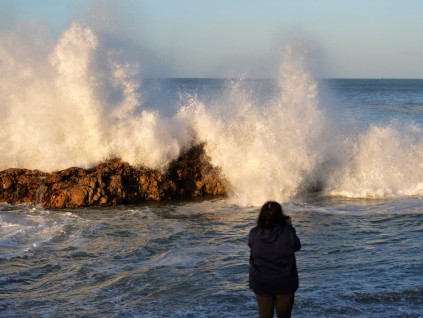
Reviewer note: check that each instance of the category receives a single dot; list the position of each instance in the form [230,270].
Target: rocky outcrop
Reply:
[113,182]
[20,185]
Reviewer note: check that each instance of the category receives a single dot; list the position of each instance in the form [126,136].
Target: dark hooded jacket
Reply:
[273,267]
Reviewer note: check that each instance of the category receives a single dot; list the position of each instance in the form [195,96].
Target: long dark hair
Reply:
[271,214]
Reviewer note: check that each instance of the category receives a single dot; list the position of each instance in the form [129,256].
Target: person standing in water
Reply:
[273,269]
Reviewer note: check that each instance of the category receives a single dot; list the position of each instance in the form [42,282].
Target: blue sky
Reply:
[221,38]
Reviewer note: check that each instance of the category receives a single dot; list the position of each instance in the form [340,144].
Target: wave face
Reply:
[83,102]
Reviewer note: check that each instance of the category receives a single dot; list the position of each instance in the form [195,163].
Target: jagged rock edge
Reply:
[114,182]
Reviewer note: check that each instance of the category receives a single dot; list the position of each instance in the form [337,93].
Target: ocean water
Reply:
[343,156]
[190,259]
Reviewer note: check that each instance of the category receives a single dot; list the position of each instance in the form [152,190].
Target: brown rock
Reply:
[113,182]
[78,197]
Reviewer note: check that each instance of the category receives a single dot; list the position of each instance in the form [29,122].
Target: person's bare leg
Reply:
[266,305]
[284,304]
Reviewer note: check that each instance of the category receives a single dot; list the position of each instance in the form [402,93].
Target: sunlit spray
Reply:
[77,107]
[384,161]
[79,102]
[265,151]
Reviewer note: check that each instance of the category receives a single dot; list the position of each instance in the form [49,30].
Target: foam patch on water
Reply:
[24,231]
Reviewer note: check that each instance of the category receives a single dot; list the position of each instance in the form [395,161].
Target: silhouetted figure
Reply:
[273,268]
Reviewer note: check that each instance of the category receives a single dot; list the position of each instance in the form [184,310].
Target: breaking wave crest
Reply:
[78,106]
[82,103]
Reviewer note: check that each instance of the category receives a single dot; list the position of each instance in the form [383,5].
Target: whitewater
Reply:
[82,103]
[344,157]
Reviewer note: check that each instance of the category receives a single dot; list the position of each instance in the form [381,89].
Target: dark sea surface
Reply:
[361,232]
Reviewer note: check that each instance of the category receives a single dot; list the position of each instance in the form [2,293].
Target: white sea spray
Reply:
[77,102]
[78,107]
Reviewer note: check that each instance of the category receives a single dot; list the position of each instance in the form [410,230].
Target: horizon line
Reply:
[274,78]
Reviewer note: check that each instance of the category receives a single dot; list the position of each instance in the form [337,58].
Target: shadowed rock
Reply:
[113,182]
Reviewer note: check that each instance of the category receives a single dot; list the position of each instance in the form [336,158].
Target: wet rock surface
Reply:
[113,182]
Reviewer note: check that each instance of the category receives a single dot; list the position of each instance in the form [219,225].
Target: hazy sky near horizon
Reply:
[198,38]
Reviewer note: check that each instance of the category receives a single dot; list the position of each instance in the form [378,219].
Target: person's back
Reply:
[273,269]
[273,264]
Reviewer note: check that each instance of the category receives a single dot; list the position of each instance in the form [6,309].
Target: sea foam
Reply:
[78,102]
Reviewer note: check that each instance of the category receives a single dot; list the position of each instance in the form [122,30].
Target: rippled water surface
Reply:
[190,259]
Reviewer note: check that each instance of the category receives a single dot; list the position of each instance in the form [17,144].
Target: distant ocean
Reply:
[343,156]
